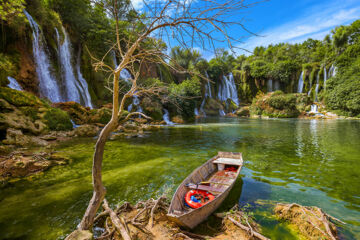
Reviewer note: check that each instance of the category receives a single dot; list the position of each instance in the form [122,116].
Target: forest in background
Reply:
[90,27]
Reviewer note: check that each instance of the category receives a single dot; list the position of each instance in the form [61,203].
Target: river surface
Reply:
[311,162]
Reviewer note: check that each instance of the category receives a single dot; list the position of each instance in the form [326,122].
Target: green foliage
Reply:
[185,95]
[57,120]
[260,69]
[10,9]
[284,70]
[283,101]
[276,104]
[8,67]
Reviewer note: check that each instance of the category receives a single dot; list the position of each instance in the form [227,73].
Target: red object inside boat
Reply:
[201,196]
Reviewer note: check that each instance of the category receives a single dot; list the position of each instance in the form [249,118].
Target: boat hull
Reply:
[192,218]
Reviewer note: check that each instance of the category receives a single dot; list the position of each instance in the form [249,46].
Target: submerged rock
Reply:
[19,164]
[311,222]
[243,111]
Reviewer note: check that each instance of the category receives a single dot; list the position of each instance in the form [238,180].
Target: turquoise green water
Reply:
[312,162]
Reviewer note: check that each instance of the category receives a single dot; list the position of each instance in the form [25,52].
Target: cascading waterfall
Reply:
[48,85]
[166,117]
[208,94]
[325,77]
[14,84]
[84,86]
[227,89]
[135,103]
[221,112]
[301,83]
[124,74]
[276,85]
[331,73]
[314,108]
[71,86]
[207,87]
[270,85]
[317,86]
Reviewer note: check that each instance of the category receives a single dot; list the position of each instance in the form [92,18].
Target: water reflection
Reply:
[308,161]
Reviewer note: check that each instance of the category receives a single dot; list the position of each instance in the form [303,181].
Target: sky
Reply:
[291,21]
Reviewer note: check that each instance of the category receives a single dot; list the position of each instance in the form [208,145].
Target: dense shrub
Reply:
[276,104]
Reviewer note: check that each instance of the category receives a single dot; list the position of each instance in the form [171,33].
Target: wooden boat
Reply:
[219,182]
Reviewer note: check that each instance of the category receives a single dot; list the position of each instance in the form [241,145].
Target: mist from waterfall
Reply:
[48,86]
[227,89]
[14,84]
[301,83]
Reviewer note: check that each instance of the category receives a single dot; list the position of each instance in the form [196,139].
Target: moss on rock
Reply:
[58,120]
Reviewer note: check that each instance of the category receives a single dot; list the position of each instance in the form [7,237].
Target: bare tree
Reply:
[189,23]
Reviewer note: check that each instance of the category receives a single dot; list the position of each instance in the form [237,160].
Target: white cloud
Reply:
[316,25]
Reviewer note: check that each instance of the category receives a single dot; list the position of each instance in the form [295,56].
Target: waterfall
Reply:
[325,77]
[47,83]
[202,107]
[70,83]
[317,86]
[227,89]
[196,112]
[331,73]
[301,83]
[310,88]
[314,108]
[166,117]
[136,103]
[124,74]
[276,85]
[221,112]
[14,84]
[84,86]
[207,87]
[270,85]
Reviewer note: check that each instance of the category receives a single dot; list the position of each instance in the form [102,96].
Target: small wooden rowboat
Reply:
[216,180]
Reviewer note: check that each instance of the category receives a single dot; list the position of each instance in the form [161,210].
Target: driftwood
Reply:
[119,225]
[248,229]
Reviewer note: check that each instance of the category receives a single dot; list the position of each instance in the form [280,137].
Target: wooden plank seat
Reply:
[213,189]
[228,161]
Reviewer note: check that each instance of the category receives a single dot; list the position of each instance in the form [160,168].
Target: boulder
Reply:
[16,137]
[212,107]
[86,130]
[177,119]
[21,164]
[243,111]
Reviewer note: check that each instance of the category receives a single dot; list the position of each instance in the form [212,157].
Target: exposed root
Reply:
[248,229]
[311,222]
[119,225]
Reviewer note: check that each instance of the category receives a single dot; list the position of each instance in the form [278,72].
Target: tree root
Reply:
[247,229]
[312,218]
[117,222]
